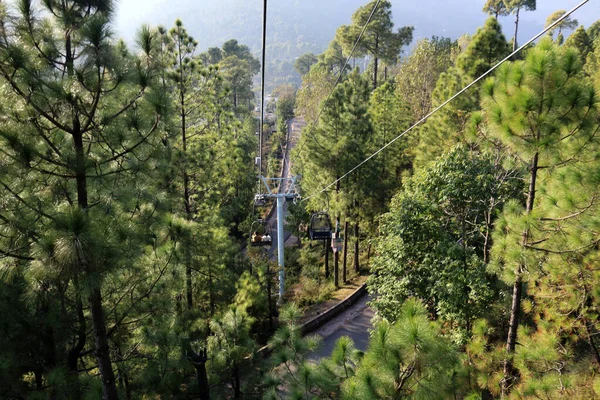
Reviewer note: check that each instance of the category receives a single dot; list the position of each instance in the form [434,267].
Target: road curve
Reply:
[355,322]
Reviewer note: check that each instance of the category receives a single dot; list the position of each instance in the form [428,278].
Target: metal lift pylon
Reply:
[286,191]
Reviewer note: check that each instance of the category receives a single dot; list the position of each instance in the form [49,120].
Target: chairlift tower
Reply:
[286,191]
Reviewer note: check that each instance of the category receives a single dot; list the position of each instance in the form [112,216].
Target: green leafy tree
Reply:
[238,67]
[420,71]
[304,62]
[581,41]
[594,31]
[435,240]
[495,8]
[379,40]
[316,86]
[567,23]
[333,59]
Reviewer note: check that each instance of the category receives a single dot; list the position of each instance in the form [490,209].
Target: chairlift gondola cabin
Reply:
[320,226]
[260,234]
[260,200]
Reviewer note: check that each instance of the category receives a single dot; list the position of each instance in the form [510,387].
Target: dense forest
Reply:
[127,187]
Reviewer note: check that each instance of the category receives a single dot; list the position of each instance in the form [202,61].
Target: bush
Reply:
[309,291]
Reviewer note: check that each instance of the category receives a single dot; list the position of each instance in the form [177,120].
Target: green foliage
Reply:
[448,127]
[495,8]
[420,71]
[379,39]
[409,359]
[545,111]
[567,23]
[290,366]
[304,62]
[436,237]
[581,41]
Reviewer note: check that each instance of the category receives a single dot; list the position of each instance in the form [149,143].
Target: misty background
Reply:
[299,26]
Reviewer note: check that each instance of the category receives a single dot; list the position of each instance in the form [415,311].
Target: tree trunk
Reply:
[376,62]
[327,246]
[356,247]
[237,385]
[516,28]
[75,351]
[344,265]
[199,363]
[269,298]
[109,387]
[336,256]
[515,310]
[186,193]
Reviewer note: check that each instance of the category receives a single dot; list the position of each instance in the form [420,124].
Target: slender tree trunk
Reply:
[486,242]
[186,191]
[376,62]
[237,385]
[199,363]
[109,387]
[344,265]
[356,247]
[336,258]
[515,310]
[75,351]
[327,247]
[269,299]
[515,45]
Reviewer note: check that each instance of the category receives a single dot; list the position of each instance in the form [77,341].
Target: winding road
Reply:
[354,322]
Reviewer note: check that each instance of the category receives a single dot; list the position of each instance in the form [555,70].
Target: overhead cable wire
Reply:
[262,90]
[426,117]
[341,73]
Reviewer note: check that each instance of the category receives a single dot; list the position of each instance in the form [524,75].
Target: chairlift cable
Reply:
[262,91]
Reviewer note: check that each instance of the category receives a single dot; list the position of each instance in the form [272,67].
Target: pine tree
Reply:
[83,117]
[379,39]
[449,126]
[495,8]
[407,359]
[567,23]
[581,41]
[515,7]
[542,110]
[337,144]
[420,71]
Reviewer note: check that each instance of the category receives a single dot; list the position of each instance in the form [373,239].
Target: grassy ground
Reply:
[337,296]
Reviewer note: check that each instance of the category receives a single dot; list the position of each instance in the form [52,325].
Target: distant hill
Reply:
[299,26]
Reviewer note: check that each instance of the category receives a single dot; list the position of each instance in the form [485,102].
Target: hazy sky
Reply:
[449,18]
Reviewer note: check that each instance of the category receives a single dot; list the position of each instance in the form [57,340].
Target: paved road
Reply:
[295,126]
[355,322]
